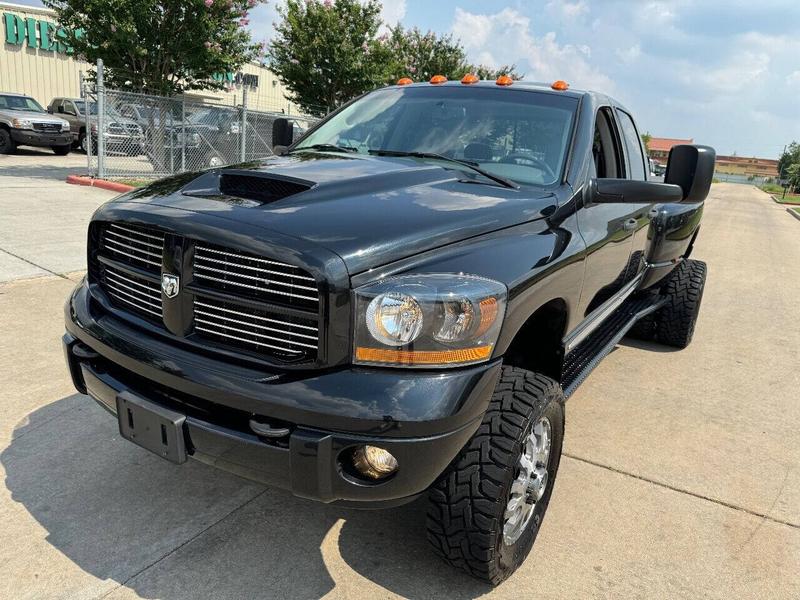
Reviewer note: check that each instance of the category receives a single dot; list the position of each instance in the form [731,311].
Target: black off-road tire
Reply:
[676,320]
[61,150]
[467,503]
[7,144]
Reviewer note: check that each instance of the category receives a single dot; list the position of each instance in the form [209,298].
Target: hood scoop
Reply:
[261,188]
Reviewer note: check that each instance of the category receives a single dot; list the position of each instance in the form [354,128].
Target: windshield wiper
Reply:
[327,148]
[467,163]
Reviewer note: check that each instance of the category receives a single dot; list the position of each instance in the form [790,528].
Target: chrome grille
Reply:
[256,329]
[134,245]
[47,127]
[254,277]
[131,292]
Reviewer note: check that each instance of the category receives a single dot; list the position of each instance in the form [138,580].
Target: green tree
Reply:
[646,137]
[484,72]
[789,157]
[159,46]
[422,55]
[326,53]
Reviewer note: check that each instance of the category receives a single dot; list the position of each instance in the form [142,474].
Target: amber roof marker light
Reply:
[469,79]
[436,79]
[405,81]
[504,80]
[560,85]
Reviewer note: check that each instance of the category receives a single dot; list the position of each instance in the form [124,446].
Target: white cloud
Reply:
[630,54]
[568,10]
[793,78]
[393,11]
[506,37]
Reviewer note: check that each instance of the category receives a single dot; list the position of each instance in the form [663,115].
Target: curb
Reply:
[99,183]
[793,212]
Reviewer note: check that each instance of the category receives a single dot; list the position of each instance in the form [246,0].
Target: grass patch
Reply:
[772,188]
[797,210]
[790,198]
[137,183]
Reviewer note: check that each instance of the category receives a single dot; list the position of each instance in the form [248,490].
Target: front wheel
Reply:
[485,511]
[7,144]
[676,320]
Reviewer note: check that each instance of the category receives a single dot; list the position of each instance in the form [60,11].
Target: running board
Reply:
[587,355]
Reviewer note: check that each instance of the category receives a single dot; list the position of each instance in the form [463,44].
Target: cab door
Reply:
[607,229]
[637,167]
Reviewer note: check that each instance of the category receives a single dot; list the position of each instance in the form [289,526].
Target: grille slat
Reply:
[255,329]
[141,294]
[134,245]
[239,273]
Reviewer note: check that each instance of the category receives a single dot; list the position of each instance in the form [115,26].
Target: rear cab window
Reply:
[633,144]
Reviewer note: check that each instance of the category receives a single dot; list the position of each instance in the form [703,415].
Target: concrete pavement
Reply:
[680,478]
[41,215]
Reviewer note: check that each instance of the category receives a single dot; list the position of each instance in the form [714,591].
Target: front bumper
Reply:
[27,137]
[422,418]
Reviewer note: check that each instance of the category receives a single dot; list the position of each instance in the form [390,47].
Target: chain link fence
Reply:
[139,136]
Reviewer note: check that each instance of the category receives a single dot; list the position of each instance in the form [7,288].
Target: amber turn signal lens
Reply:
[504,80]
[422,357]
[469,78]
[405,81]
[560,85]
[438,79]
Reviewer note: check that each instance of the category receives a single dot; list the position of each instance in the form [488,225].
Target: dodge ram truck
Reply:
[397,304]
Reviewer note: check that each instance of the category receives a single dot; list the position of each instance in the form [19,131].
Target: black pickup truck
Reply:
[396,304]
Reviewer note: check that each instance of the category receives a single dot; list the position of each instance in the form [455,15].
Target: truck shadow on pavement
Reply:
[167,531]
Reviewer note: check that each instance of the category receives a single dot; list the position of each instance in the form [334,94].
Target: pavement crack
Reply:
[182,544]
[682,491]
[30,262]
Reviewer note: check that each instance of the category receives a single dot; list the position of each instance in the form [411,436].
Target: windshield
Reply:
[519,135]
[20,103]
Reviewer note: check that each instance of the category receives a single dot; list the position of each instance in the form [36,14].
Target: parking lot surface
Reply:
[680,479]
[43,219]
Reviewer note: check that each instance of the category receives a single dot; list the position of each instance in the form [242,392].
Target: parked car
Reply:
[121,135]
[396,306]
[171,144]
[23,122]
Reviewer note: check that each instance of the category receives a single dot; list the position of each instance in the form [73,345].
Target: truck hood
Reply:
[369,210]
[33,116]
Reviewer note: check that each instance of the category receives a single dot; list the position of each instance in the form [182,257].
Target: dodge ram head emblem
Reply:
[170,284]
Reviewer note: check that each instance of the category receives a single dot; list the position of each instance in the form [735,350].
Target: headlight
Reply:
[64,126]
[22,123]
[428,320]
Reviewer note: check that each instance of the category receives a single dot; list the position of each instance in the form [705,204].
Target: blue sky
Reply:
[726,73]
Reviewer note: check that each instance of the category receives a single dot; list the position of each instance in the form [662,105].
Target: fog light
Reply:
[374,462]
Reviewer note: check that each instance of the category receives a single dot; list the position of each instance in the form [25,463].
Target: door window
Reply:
[633,144]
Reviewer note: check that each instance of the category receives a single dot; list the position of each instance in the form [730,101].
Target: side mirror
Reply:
[604,191]
[282,132]
[691,168]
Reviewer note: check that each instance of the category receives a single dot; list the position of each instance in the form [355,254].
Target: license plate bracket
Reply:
[152,427]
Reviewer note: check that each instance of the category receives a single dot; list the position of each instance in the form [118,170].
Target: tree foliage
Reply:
[789,165]
[646,137]
[327,52]
[160,46]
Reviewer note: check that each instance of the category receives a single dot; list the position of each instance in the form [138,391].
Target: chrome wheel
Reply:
[530,483]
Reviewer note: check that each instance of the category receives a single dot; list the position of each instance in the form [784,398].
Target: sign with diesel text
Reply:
[37,34]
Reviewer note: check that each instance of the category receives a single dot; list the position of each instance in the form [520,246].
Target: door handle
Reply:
[630,224]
